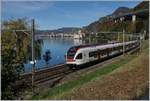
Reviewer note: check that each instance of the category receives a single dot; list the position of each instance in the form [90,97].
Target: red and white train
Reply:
[82,54]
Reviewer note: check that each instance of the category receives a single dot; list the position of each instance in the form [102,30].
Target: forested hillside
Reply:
[108,24]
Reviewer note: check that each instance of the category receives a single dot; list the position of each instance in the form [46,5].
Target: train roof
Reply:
[84,46]
[98,45]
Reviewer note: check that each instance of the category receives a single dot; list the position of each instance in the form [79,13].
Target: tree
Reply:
[15,51]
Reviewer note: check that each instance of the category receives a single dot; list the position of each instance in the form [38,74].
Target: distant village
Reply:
[76,35]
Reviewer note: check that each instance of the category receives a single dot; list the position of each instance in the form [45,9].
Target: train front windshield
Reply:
[71,52]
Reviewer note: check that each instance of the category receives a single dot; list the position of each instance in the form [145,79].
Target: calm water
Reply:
[58,48]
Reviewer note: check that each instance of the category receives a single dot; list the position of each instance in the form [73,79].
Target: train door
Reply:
[79,58]
[82,58]
[86,56]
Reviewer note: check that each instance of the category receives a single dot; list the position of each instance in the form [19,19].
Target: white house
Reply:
[79,35]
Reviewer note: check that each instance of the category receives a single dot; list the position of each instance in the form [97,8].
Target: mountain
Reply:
[120,10]
[106,23]
[95,26]
[68,30]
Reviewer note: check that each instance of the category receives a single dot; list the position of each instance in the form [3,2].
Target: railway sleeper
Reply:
[48,74]
[50,79]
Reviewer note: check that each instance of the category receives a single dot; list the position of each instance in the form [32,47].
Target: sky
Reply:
[57,14]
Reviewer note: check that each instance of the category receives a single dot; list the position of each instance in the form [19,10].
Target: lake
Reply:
[58,48]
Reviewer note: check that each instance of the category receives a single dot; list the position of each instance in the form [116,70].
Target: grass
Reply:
[59,91]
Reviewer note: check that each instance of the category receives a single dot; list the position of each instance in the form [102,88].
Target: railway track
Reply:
[52,76]
[49,74]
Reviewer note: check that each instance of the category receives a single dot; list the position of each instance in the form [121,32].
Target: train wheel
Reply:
[73,67]
[77,67]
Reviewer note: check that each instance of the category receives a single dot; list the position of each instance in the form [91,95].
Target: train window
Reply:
[79,56]
[93,54]
[71,52]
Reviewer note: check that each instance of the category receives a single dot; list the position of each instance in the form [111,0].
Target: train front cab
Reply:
[76,62]
[74,57]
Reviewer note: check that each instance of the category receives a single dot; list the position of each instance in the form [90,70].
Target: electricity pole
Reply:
[121,19]
[33,57]
[140,42]
[123,42]
[118,37]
